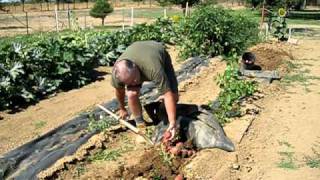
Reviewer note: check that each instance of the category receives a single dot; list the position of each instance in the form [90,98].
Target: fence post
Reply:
[267,31]
[27,22]
[187,8]
[122,19]
[131,16]
[56,15]
[69,21]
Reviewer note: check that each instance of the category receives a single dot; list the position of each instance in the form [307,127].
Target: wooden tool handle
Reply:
[128,125]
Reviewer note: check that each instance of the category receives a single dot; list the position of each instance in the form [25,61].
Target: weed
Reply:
[40,124]
[80,170]
[150,131]
[155,174]
[287,160]
[285,143]
[103,123]
[106,155]
[313,161]
[166,158]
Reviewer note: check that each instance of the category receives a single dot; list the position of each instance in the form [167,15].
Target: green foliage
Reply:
[106,155]
[280,28]
[102,124]
[287,160]
[213,31]
[31,70]
[101,9]
[232,89]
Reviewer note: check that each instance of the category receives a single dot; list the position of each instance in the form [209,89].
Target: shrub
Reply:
[213,31]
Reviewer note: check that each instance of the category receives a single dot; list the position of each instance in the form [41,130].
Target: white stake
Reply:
[56,15]
[165,13]
[187,8]
[132,16]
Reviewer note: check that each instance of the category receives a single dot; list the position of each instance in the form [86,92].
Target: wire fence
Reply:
[58,20]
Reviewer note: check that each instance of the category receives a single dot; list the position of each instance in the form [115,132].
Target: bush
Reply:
[213,31]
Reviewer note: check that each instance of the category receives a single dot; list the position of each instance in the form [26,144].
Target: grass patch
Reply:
[299,75]
[40,124]
[313,161]
[155,13]
[256,15]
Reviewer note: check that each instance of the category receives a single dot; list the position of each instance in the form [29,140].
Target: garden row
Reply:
[36,66]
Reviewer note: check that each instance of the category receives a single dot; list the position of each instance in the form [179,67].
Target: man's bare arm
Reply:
[170,103]
[120,94]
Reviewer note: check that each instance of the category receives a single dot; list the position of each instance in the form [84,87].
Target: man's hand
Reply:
[172,129]
[123,113]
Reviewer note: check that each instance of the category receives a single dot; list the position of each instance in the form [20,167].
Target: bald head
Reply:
[127,72]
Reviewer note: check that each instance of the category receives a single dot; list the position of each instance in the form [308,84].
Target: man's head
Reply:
[127,72]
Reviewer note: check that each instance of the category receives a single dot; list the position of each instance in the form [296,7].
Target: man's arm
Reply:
[170,103]
[120,94]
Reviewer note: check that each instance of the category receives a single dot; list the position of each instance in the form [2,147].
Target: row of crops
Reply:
[34,67]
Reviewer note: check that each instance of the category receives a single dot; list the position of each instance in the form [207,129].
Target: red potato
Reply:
[175,151]
[191,152]
[179,145]
[166,135]
[179,177]
[184,153]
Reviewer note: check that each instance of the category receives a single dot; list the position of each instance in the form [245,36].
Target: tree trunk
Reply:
[304,4]
[23,6]
[102,21]
[47,5]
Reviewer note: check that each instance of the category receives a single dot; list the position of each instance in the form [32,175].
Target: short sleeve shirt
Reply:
[151,59]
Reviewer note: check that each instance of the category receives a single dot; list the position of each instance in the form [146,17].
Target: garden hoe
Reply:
[125,123]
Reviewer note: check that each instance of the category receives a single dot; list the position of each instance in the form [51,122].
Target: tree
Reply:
[101,9]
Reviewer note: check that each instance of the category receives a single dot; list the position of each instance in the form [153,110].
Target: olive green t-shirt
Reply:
[154,64]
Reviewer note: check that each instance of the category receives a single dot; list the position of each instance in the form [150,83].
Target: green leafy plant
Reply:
[232,89]
[279,28]
[208,32]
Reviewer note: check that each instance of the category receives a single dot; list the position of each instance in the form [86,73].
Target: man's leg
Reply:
[133,94]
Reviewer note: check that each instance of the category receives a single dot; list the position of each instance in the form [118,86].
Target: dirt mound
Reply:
[154,165]
[272,56]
